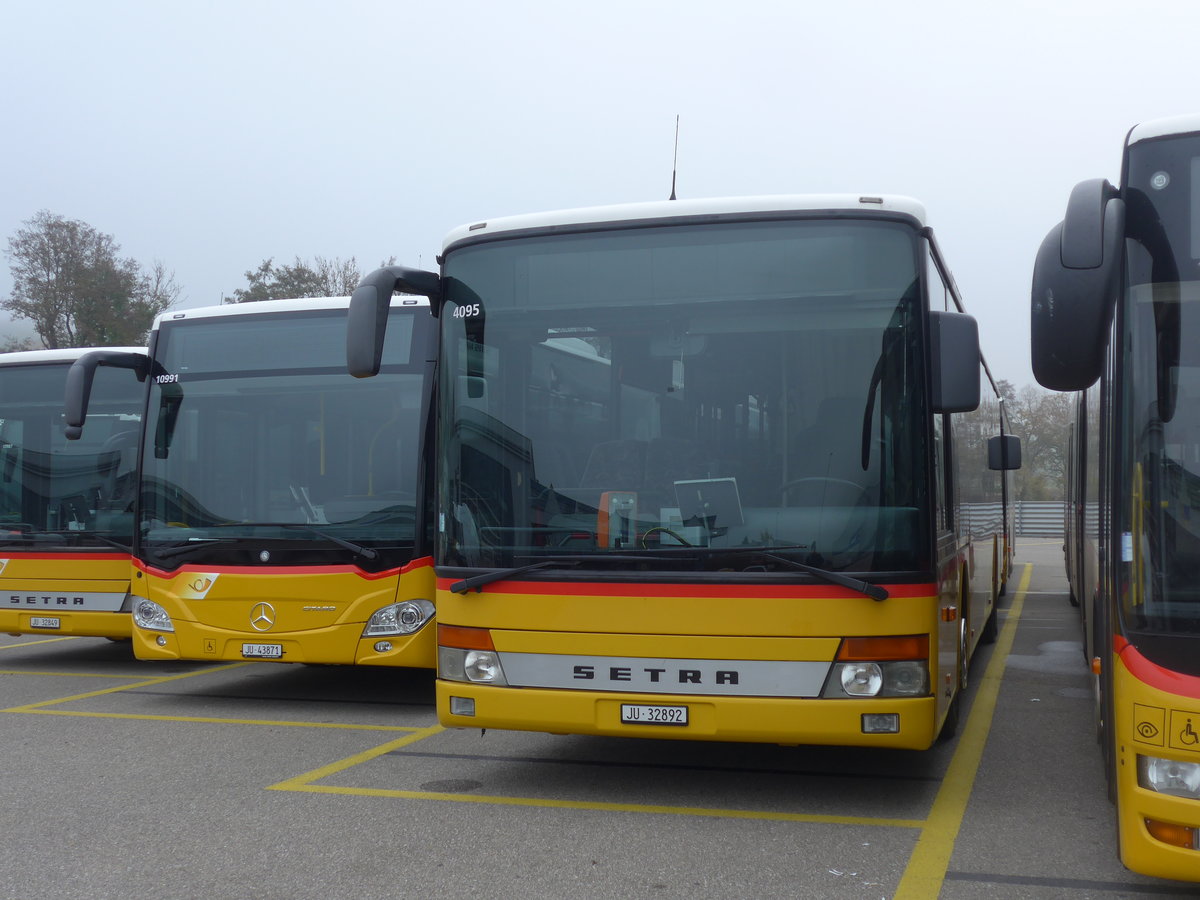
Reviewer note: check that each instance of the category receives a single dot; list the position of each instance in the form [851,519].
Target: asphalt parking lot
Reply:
[267,780]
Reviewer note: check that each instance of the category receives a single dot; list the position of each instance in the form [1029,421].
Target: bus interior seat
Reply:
[615,466]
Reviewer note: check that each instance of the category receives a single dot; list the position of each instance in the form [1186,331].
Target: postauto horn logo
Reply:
[197,585]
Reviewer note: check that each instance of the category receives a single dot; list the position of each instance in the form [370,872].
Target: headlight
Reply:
[1169,776]
[893,678]
[477,666]
[405,617]
[149,615]
[861,679]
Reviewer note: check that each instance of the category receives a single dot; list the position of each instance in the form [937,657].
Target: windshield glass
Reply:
[254,426]
[55,491]
[1161,531]
[645,392]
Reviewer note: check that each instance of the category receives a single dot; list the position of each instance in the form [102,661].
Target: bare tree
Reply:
[71,283]
[12,344]
[1042,419]
[320,278]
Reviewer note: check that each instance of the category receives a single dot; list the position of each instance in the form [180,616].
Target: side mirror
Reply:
[1004,452]
[1076,277]
[79,383]
[954,346]
[366,320]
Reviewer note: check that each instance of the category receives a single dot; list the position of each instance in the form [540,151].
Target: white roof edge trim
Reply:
[669,209]
[262,307]
[65,354]
[1157,128]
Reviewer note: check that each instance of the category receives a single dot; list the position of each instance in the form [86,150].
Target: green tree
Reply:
[320,278]
[70,281]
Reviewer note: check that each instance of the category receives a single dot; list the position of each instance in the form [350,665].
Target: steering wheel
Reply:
[837,484]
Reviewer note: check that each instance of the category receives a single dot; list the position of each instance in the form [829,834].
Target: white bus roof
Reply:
[672,209]
[66,354]
[1164,127]
[261,307]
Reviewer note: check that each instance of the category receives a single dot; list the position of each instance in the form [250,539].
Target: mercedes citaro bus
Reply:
[280,511]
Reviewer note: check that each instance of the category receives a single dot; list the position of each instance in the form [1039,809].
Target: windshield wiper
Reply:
[364,552]
[32,535]
[192,544]
[874,591]
[478,581]
[96,536]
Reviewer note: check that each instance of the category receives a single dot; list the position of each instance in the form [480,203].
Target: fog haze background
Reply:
[212,136]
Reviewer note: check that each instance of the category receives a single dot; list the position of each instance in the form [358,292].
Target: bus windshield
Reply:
[1162,332]
[55,491]
[686,397]
[254,430]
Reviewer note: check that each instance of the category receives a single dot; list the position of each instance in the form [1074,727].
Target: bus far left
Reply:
[66,519]
[279,509]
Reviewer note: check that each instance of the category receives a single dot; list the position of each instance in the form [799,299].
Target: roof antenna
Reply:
[675,160]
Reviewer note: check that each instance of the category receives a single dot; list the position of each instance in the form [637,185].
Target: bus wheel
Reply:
[950,723]
[991,628]
[954,713]
[964,678]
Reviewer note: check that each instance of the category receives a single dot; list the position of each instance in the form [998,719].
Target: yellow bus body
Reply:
[315,614]
[78,594]
[549,620]
[1152,721]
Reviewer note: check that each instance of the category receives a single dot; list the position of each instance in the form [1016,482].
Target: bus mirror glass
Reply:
[82,374]
[1004,452]
[366,319]
[955,357]
[1075,282]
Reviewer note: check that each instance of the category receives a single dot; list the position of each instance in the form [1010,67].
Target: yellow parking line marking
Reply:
[597,806]
[35,672]
[301,782]
[52,640]
[212,720]
[926,870]
[125,687]
[305,783]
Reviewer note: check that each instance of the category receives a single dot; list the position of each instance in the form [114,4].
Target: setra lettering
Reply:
[43,600]
[654,675]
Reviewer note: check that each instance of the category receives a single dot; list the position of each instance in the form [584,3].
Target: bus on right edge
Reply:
[1116,316]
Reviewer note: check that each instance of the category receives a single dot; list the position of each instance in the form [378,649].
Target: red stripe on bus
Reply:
[423,562]
[25,555]
[1153,674]
[783,591]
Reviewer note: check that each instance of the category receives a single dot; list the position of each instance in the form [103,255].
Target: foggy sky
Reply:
[212,136]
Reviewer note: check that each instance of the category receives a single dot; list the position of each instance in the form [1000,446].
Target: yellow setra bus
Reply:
[66,507]
[1116,316]
[711,470]
[280,510]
